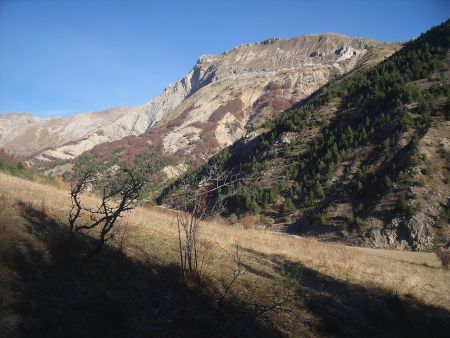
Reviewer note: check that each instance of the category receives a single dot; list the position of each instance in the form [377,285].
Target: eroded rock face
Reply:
[212,106]
[420,236]
[233,91]
[417,235]
[69,137]
[13,124]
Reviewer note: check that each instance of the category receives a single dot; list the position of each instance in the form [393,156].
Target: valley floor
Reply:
[284,286]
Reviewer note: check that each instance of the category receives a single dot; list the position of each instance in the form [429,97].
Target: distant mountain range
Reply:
[214,105]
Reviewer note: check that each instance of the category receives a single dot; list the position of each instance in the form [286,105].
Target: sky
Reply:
[62,57]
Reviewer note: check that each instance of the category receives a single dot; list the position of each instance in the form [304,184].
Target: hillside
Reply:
[288,286]
[364,160]
[12,165]
[208,109]
[45,140]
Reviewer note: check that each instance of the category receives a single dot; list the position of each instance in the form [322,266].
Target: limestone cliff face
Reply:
[211,107]
[232,91]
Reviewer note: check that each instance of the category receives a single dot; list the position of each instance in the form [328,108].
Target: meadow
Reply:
[252,282]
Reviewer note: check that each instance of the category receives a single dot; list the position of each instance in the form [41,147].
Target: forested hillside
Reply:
[365,159]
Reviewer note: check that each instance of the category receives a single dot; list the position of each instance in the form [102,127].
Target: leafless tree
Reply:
[195,202]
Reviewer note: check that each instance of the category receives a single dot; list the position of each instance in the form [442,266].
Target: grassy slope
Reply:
[132,288]
[11,165]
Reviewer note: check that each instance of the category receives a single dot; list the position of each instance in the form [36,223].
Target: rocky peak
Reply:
[275,55]
[212,106]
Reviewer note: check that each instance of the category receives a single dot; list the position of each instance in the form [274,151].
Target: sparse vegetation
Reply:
[287,207]
[194,205]
[354,223]
[13,166]
[275,294]
[119,187]
[408,208]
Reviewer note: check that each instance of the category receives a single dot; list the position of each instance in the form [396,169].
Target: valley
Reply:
[286,188]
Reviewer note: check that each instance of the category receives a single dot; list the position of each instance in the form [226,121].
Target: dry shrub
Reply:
[444,256]
[233,219]
[220,221]
[249,221]
[234,107]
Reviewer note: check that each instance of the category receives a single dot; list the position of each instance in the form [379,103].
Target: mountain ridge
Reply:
[364,160]
[50,139]
[232,104]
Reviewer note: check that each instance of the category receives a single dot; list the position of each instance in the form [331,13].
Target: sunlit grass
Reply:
[151,232]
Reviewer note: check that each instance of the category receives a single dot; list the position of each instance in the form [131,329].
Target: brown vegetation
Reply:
[285,285]
[234,107]
[130,146]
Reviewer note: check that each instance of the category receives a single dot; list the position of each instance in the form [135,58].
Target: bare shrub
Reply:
[257,299]
[239,270]
[195,202]
[249,220]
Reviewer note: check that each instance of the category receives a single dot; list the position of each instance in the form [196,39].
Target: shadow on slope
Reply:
[344,309]
[53,292]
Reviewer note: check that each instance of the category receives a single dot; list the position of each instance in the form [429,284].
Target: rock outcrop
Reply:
[211,107]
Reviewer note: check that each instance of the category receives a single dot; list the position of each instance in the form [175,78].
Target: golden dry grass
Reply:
[151,236]
[403,272]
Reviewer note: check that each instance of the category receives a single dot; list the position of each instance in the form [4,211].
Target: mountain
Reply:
[14,124]
[211,107]
[65,138]
[241,88]
[364,160]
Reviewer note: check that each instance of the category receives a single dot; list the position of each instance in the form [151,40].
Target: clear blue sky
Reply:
[61,57]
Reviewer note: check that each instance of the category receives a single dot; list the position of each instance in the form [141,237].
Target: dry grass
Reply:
[269,257]
[402,272]
[444,256]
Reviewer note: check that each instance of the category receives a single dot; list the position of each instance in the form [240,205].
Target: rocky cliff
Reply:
[365,160]
[210,108]
[233,91]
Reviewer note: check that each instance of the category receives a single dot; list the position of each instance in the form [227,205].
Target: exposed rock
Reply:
[12,125]
[387,237]
[208,109]
[391,232]
[420,236]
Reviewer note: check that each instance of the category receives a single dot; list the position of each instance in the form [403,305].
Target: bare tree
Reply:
[195,202]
